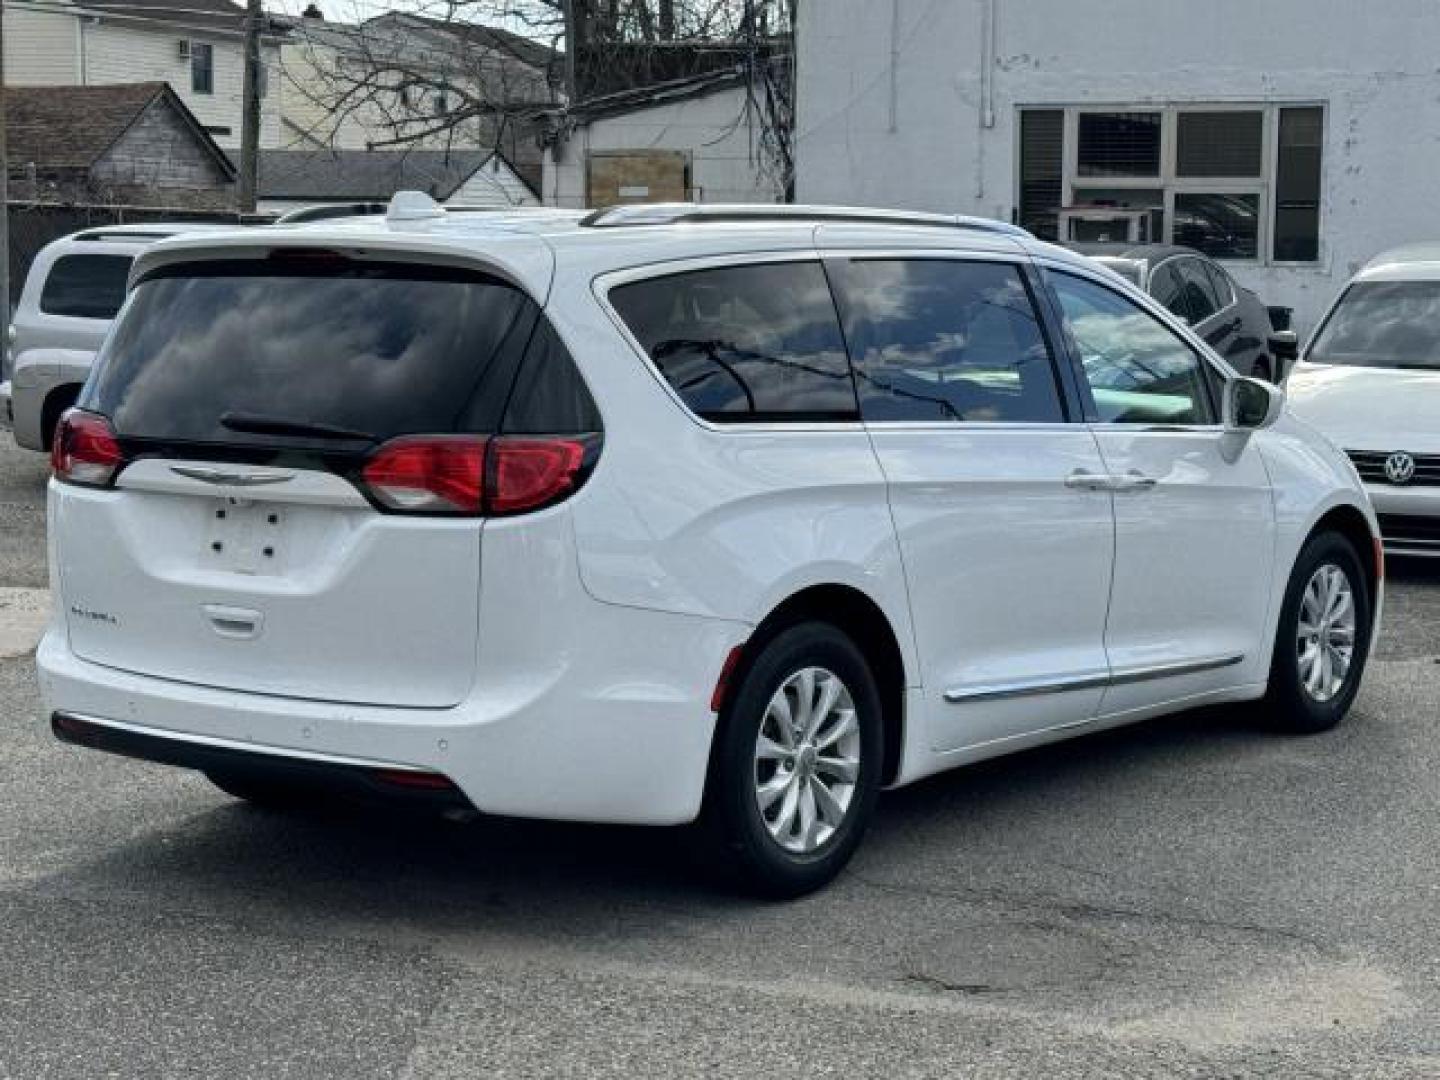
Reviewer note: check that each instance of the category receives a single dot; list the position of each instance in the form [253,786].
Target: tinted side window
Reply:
[1220,281]
[1138,371]
[86,286]
[1168,290]
[550,397]
[745,343]
[937,339]
[1200,295]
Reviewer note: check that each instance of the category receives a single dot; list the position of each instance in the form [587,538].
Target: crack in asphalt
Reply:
[1080,909]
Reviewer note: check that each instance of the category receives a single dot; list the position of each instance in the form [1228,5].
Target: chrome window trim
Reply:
[1062,684]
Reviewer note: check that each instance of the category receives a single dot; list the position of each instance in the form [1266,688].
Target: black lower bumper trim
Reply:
[370,783]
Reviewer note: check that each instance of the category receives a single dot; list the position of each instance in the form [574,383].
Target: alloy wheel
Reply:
[1325,636]
[807,760]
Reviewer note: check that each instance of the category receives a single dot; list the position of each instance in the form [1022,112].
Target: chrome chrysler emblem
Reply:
[1399,468]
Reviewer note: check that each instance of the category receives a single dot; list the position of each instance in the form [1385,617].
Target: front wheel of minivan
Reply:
[796,767]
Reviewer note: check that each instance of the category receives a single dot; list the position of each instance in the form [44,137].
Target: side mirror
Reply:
[1251,404]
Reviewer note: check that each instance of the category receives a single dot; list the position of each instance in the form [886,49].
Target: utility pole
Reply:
[250,109]
[4,197]
[572,42]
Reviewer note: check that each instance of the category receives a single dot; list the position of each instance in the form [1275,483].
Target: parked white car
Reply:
[666,514]
[1370,380]
[73,290]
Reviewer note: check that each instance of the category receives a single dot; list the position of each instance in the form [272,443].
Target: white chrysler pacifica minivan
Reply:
[675,514]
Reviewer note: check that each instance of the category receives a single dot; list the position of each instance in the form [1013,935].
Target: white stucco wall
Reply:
[953,142]
[712,128]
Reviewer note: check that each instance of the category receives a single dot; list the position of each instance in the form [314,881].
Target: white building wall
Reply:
[41,46]
[713,128]
[114,52]
[926,130]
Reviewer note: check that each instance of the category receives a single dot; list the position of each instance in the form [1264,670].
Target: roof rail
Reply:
[674,213]
[101,233]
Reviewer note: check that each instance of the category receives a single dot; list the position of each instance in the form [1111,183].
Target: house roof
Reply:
[71,127]
[218,15]
[526,50]
[365,174]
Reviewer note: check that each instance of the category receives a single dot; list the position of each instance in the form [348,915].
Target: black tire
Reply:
[1288,705]
[739,842]
[268,794]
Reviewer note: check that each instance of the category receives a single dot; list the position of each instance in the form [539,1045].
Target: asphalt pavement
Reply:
[1186,898]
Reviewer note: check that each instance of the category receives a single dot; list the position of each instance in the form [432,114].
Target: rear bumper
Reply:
[369,780]
[619,733]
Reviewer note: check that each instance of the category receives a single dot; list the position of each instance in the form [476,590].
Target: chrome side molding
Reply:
[1063,684]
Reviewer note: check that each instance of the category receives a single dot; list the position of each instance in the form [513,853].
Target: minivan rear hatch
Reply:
[239,547]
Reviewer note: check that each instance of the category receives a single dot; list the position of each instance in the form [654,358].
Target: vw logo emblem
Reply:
[1399,468]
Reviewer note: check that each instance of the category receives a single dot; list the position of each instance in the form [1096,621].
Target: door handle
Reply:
[1085,480]
[1131,481]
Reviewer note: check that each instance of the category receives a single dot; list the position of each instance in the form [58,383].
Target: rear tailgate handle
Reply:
[234,622]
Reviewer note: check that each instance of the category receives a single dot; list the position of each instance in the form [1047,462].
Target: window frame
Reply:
[197,47]
[1216,372]
[1169,182]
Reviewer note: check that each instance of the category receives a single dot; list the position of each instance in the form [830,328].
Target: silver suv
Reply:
[75,286]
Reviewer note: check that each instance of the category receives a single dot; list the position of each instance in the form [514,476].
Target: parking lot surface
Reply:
[1185,898]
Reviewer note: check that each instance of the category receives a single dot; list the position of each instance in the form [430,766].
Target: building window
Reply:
[202,67]
[1238,182]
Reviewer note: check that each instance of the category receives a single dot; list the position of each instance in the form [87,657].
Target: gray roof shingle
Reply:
[365,174]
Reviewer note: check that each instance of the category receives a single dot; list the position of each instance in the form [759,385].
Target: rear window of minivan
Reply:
[86,286]
[377,350]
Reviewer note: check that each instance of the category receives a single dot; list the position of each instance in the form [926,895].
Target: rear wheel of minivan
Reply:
[796,767]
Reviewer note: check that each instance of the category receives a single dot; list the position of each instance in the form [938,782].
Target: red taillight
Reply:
[530,473]
[473,474]
[429,474]
[85,450]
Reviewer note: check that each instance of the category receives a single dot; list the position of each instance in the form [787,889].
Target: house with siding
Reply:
[406,81]
[1289,139]
[128,144]
[290,179]
[195,46]
[689,139]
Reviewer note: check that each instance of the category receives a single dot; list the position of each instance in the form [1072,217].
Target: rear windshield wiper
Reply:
[256,424]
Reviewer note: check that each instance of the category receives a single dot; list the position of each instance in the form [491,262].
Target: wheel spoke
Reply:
[807,815]
[829,692]
[846,770]
[805,699]
[844,724]
[831,812]
[785,819]
[779,711]
[767,749]
[772,789]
